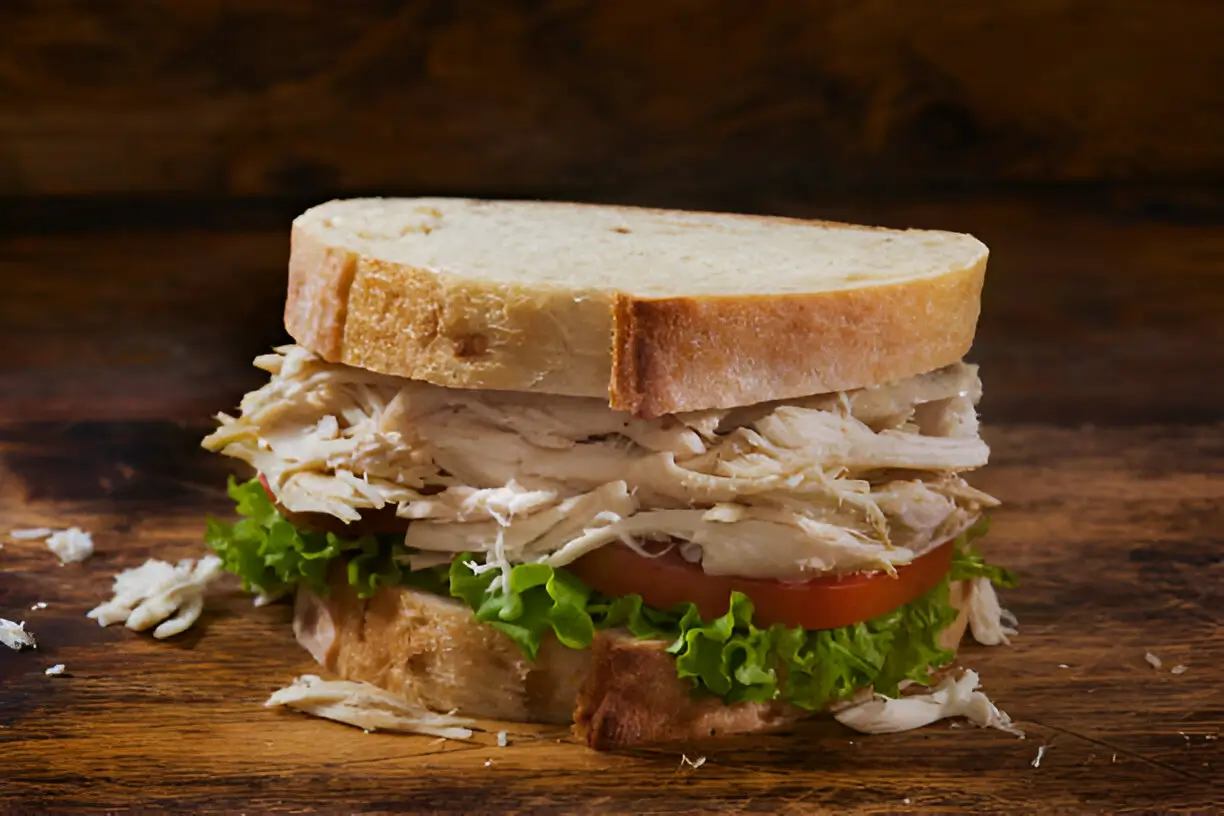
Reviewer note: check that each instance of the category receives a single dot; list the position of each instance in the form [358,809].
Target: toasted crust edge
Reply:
[316,303]
[648,357]
[688,354]
[619,693]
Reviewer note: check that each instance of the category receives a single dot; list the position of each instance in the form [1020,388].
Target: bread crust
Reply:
[687,354]
[431,651]
[619,693]
[316,305]
[649,356]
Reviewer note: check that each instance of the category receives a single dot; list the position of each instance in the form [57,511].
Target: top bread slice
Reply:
[655,311]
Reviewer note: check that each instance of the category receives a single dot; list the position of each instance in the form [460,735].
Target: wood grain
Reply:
[1116,533]
[630,101]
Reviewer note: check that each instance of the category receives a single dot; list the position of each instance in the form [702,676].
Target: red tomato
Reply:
[822,603]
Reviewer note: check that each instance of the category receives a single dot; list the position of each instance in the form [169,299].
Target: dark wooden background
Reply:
[681,102]
[152,154]
[132,133]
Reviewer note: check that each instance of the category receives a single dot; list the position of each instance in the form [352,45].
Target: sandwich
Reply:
[658,474]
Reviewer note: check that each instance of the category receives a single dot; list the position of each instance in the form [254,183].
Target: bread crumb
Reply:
[38,606]
[502,739]
[1036,763]
[55,671]
[1153,660]
[1179,669]
[13,634]
[488,763]
[692,763]
[1063,666]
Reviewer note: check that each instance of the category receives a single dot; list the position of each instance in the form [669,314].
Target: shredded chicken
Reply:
[71,545]
[733,546]
[367,707]
[13,634]
[952,697]
[170,596]
[990,623]
[868,479]
[30,533]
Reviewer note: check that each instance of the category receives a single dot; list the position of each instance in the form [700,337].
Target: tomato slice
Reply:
[821,603]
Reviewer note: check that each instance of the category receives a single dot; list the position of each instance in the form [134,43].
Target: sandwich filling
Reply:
[766,543]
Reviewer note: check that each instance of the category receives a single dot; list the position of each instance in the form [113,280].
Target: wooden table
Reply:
[1102,344]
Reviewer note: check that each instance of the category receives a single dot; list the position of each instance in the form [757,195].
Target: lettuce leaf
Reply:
[729,657]
[540,599]
[969,563]
[272,556]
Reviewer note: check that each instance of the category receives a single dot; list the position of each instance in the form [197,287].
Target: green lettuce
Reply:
[272,556]
[729,656]
[538,599]
[969,563]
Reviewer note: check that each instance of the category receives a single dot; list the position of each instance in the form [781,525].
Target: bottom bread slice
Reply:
[620,692]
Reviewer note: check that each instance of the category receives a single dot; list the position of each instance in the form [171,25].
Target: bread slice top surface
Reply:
[638,252]
[654,311]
